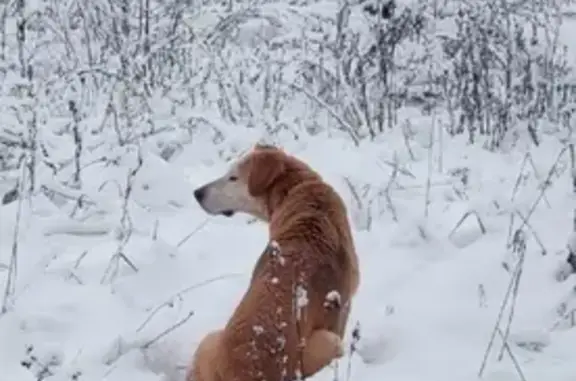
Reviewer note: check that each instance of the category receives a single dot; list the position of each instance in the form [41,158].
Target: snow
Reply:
[124,288]
[427,303]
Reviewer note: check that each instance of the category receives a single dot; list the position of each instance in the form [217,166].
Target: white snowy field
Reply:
[431,290]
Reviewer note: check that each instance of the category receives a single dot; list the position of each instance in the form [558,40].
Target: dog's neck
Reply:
[281,188]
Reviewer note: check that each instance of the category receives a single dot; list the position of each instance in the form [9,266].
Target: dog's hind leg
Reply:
[205,363]
[321,348]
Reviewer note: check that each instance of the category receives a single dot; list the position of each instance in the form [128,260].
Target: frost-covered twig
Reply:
[527,224]
[43,367]
[397,167]
[150,342]
[464,218]
[519,249]
[544,187]
[566,311]
[10,286]
[345,125]
[170,302]
[481,296]
[429,173]
[512,291]
[353,345]
[363,210]
[354,192]
[572,152]
[155,230]
[125,225]
[527,160]
[189,235]
[506,347]
[407,136]
[77,181]
[53,194]
[392,180]
[568,266]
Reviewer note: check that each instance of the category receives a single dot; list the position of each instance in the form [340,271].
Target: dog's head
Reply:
[244,187]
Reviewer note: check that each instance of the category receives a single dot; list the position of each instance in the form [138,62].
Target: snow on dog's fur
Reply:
[292,317]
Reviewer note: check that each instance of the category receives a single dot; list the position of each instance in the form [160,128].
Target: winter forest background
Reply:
[140,69]
[99,98]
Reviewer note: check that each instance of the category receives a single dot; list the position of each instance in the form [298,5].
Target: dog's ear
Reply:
[265,167]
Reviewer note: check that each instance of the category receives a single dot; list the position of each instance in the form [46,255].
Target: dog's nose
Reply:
[199,194]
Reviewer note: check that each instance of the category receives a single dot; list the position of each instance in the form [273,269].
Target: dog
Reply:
[291,321]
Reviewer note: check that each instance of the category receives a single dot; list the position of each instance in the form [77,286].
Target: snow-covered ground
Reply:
[431,289]
[126,287]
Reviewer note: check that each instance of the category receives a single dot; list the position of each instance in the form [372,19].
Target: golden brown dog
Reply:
[292,318]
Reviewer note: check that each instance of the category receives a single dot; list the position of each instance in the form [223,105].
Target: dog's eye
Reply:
[233,178]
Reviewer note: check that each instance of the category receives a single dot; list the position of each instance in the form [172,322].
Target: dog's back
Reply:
[301,284]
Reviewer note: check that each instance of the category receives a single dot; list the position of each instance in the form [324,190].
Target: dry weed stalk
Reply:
[10,287]
[527,160]
[349,129]
[535,235]
[407,134]
[359,200]
[430,167]
[546,184]
[464,217]
[162,334]
[386,192]
[169,303]
[519,248]
[192,233]
[125,226]
[353,347]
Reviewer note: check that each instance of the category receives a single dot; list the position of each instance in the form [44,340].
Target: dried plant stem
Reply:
[10,287]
